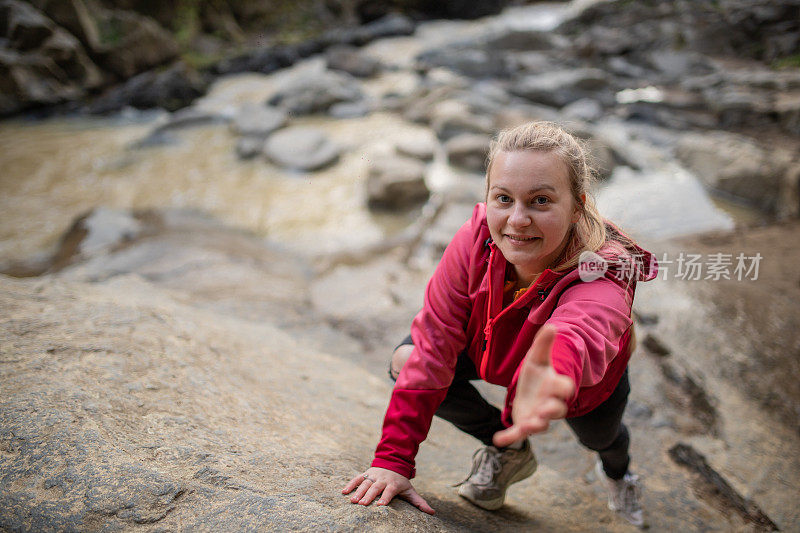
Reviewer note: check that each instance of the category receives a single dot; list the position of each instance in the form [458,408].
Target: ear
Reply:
[578,213]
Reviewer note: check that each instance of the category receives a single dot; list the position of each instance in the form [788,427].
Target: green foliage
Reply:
[792,61]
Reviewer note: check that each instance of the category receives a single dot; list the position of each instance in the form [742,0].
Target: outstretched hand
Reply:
[385,485]
[542,394]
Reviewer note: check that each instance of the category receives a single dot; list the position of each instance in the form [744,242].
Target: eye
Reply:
[503,198]
[541,200]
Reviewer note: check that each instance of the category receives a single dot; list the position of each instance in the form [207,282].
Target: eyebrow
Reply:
[531,191]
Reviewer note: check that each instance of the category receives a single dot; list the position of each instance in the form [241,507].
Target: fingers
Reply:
[542,346]
[353,484]
[362,490]
[412,497]
[503,438]
[374,490]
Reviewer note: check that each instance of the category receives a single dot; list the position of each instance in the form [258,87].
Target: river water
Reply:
[57,169]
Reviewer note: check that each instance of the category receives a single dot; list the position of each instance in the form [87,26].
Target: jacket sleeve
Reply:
[591,319]
[439,334]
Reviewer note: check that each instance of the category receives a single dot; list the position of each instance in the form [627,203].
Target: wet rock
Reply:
[266,59]
[249,147]
[452,117]
[25,27]
[170,89]
[711,485]
[387,25]
[737,166]
[255,120]
[420,147]
[97,232]
[190,117]
[300,148]
[560,88]
[351,60]
[466,61]
[40,63]
[350,109]
[468,151]
[396,183]
[586,109]
[510,39]
[315,90]
[137,44]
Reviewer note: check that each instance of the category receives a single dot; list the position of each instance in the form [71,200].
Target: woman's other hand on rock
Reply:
[384,485]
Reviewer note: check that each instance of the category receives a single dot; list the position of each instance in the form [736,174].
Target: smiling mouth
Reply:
[521,238]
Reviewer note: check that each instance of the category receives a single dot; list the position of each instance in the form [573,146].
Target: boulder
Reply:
[418,147]
[170,89]
[356,109]
[315,90]
[24,26]
[129,43]
[452,117]
[562,87]
[738,166]
[586,109]
[468,151]
[249,147]
[396,183]
[40,63]
[351,60]
[301,148]
[257,120]
[473,62]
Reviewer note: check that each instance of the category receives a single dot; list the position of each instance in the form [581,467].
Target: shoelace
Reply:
[486,462]
[631,493]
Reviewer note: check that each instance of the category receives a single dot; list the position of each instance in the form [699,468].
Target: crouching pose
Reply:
[533,293]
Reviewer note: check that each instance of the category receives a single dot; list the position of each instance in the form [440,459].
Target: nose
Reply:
[519,217]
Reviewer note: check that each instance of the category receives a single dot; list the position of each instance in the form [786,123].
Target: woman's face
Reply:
[530,209]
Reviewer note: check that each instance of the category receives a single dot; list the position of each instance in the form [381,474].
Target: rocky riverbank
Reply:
[163,370]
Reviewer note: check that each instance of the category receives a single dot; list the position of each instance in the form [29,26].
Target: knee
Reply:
[399,358]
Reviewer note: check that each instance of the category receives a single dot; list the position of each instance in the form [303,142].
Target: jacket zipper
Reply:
[487,329]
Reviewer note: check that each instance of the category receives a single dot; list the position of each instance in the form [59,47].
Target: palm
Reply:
[541,392]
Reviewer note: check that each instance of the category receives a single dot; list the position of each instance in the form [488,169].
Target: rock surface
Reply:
[300,148]
[190,379]
[396,183]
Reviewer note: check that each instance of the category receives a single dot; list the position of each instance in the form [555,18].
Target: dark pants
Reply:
[600,430]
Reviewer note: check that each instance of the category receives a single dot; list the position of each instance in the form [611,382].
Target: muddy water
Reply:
[57,170]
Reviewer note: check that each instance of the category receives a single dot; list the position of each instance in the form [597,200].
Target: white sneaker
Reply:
[493,471]
[624,495]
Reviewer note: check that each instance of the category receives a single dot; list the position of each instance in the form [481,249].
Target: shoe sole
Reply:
[497,503]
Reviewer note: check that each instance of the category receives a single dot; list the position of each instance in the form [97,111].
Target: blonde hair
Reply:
[591,232]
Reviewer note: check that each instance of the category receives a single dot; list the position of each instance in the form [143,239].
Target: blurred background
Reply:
[268,160]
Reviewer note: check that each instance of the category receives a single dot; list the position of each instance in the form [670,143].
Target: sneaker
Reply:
[493,471]
[624,495]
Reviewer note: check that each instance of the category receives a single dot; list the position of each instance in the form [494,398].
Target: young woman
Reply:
[510,303]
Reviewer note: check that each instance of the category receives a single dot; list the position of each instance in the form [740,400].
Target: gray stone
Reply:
[396,183]
[468,151]
[418,147]
[738,166]
[452,117]
[256,120]
[314,91]
[349,109]
[351,60]
[301,148]
[249,147]
[559,88]
[586,109]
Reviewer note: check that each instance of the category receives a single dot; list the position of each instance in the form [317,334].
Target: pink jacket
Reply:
[464,309]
